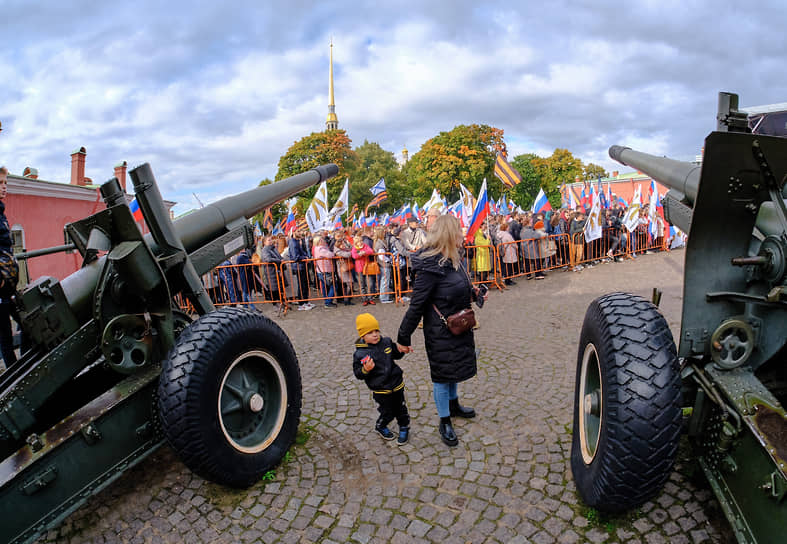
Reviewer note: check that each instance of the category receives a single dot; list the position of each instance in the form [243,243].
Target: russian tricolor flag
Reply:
[290,224]
[136,211]
[542,202]
[480,213]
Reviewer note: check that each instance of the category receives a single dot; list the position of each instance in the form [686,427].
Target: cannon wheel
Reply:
[627,404]
[230,396]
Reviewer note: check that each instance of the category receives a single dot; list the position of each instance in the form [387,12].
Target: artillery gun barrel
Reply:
[200,227]
[683,177]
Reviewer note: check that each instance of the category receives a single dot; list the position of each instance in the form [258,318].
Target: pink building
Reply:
[40,209]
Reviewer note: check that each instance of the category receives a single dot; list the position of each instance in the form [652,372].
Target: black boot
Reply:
[458,410]
[447,432]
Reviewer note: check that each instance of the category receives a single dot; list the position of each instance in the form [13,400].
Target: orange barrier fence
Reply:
[343,280]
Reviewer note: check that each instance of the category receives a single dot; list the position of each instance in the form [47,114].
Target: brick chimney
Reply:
[30,173]
[120,174]
[78,166]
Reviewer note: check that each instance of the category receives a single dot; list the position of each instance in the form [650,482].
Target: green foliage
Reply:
[269,476]
[304,432]
[525,192]
[594,171]
[374,163]
[561,167]
[314,150]
[466,155]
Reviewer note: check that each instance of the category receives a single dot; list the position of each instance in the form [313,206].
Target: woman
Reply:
[324,269]
[483,264]
[363,254]
[441,282]
[507,249]
[384,260]
[342,247]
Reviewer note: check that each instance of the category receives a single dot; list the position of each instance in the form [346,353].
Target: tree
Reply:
[465,154]
[593,172]
[561,167]
[312,151]
[374,163]
[524,193]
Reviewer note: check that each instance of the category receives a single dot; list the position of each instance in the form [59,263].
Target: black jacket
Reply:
[451,358]
[386,375]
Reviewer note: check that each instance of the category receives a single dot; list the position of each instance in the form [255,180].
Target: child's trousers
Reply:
[391,405]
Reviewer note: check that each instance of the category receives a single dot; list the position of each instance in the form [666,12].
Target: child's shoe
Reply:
[385,432]
[404,435]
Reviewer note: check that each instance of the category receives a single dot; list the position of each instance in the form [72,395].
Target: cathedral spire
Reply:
[332,123]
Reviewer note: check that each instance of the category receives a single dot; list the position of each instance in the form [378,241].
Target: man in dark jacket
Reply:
[299,253]
[373,362]
[9,275]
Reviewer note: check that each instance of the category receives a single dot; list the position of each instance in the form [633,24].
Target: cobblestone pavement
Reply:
[508,481]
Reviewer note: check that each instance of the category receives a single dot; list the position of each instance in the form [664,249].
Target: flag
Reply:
[362,220]
[601,195]
[584,197]
[654,192]
[505,172]
[277,229]
[609,194]
[317,213]
[337,223]
[385,220]
[480,212]
[136,211]
[378,187]
[468,204]
[267,220]
[416,211]
[572,201]
[376,201]
[257,229]
[407,212]
[622,202]
[354,210]
[434,200]
[631,218]
[542,202]
[344,199]
[302,224]
[289,225]
[593,224]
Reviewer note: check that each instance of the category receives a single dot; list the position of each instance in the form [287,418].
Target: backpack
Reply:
[9,273]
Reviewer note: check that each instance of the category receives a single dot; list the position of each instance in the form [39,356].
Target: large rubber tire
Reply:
[230,396]
[627,404]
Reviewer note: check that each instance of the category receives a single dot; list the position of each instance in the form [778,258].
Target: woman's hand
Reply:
[404,349]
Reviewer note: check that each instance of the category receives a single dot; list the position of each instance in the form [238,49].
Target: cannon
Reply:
[115,368]
[725,384]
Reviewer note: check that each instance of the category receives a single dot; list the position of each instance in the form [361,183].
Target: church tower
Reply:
[332,123]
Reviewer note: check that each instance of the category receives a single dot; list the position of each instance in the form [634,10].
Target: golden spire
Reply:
[332,123]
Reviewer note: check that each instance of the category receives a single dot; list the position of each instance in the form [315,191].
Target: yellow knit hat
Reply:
[366,323]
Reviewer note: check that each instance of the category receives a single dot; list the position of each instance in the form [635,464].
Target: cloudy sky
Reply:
[211,94]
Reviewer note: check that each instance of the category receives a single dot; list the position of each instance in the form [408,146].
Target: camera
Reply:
[480,293]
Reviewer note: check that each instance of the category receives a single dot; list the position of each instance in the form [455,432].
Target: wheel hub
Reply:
[256,402]
[591,396]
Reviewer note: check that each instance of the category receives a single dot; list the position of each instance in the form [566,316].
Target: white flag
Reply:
[593,224]
[435,200]
[344,199]
[631,219]
[317,213]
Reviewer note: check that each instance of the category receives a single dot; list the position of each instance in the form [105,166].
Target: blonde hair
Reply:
[379,233]
[318,240]
[442,239]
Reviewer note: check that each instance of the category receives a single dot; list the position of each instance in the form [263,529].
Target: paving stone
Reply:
[509,480]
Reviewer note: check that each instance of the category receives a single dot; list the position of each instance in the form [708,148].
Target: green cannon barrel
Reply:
[206,224]
[200,227]
[683,177]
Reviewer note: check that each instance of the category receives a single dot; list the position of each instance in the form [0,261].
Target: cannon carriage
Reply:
[114,368]
[725,382]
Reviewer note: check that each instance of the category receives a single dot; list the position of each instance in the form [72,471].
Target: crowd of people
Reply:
[372,264]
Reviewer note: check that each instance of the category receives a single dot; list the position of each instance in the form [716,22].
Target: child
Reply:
[373,362]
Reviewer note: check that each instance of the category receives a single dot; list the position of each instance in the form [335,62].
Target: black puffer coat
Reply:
[386,374]
[451,358]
